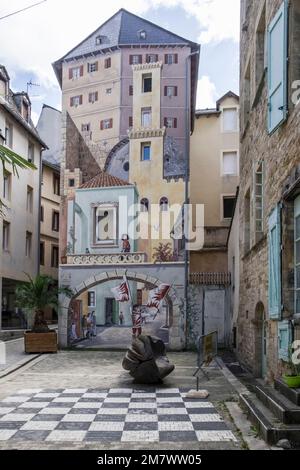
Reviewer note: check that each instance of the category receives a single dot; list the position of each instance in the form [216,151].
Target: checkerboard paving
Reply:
[111,415]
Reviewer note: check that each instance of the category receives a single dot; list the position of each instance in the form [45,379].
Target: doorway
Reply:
[260,341]
[110,312]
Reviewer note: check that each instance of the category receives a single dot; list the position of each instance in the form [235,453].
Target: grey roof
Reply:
[49,128]
[122,29]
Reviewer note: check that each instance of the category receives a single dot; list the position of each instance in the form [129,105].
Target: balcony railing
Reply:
[107,258]
[215,278]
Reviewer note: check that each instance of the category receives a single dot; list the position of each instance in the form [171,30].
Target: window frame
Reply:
[54,248]
[229,151]
[5,236]
[92,293]
[223,197]
[28,244]
[29,199]
[143,146]
[6,185]
[296,264]
[55,221]
[229,108]
[110,242]
[146,76]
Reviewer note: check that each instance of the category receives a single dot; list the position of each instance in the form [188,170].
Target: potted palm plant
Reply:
[36,295]
[292,376]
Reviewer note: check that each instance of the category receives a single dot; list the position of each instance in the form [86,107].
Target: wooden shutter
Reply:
[130,59]
[130,90]
[81,70]
[96,95]
[110,123]
[284,339]
[147,58]
[165,90]
[96,66]
[140,59]
[101,125]
[277,68]
[80,99]
[175,123]
[274,241]
[71,101]
[165,122]
[166,58]
[176,58]
[175,91]
[130,121]
[70,73]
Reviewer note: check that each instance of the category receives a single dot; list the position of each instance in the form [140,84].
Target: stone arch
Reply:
[258,324]
[174,303]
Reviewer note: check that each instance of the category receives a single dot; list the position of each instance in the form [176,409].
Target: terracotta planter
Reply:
[40,342]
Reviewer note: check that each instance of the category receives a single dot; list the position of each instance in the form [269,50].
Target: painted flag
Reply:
[121,292]
[156,296]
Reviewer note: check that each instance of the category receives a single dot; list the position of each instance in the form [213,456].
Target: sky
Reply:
[32,40]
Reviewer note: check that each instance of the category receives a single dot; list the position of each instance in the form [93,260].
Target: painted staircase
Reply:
[275,412]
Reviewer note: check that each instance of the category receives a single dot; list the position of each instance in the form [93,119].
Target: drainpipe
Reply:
[187,178]
[39,214]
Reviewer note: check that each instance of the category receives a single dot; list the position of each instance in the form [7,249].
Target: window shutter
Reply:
[110,123]
[130,121]
[165,90]
[96,66]
[165,122]
[147,58]
[175,90]
[81,70]
[175,123]
[80,99]
[156,57]
[96,95]
[130,90]
[140,59]
[71,101]
[274,240]
[70,73]
[284,339]
[176,58]
[101,125]
[277,68]
[166,58]
[130,60]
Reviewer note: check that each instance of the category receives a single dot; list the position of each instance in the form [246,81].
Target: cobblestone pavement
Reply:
[70,375]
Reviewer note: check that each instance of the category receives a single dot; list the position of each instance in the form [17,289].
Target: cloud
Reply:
[206,93]
[32,40]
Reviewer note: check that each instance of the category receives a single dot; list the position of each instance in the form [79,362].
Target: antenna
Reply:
[23,9]
[31,84]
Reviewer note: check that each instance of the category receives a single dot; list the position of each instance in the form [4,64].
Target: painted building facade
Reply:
[269,185]
[19,225]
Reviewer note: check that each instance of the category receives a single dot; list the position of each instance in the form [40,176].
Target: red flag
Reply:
[121,292]
[156,296]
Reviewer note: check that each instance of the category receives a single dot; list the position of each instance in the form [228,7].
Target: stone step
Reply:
[266,423]
[285,410]
[292,394]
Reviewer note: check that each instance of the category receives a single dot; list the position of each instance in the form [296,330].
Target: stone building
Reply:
[19,224]
[269,184]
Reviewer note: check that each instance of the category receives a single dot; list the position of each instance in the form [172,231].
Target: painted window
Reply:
[145,151]
[107,63]
[29,200]
[75,72]
[5,236]
[164,204]
[146,117]
[42,253]
[93,96]
[91,298]
[54,256]
[228,206]
[144,205]
[76,100]
[297,255]
[92,67]
[55,221]
[230,163]
[30,152]
[151,58]
[28,244]
[106,224]
[277,68]
[230,120]
[170,91]
[259,201]
[274,241]
[9,135]
[171,59]
[170,122]
[135,59]
[108,91]
[147,83]
[6,185]
[106,124]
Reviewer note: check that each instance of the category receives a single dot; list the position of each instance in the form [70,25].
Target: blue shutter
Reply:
[277,68]
[274,241]
[284,339]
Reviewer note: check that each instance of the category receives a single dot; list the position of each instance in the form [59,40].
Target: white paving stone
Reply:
[79,418]
[169,400]
[65,400]
[121,390]
[46,395]
[117,400]
[66,436]
[6,434]
[167,390]
[202,418]
[94,395]
[39,426]
[143,395]
[87,404]
[16,399]
[142,405]
[29,391]
[17,417]
[112,411]
[54,411]
[75,390]
[107,426]
[198,404]
[215,436]
[140,436]
[141,418]
[171,411]
[175,426]
[5,409]
[34,404]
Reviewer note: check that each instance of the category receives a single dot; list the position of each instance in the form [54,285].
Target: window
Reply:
[55,221]
[135,59]
[170,91]
[146,117]
[91,298]
[108,91]
[42,213]
[75,101]
[247,213]
[5,236]
[93,67]
[147,83]
[93,96]
[274,284]
[164,204]
[297,255]
[151,58]
[144,205]
[29,201]
[31,152]
[28,244]
[170,122]
[106,124]
[230,120]
[145,151]
[142,34]
[98,40]
[107,63]
[171,59]
[260,49]
[75,72]
[230,163]
[6,185]
[56,184]
[9,135]
[54,256]
[259,202]
[106,224]
[42,253]
[71,183]
[246,97]
[85,127]
[130,90]
[228,206]
[126,166]
[130,121]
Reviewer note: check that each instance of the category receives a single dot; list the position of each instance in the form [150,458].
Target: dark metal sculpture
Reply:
[147,361]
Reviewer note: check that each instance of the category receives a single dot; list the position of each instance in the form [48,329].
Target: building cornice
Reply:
[145,133]
[147,66]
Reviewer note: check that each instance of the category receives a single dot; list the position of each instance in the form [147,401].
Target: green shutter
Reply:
[277,68]
[284,339]
[274,242]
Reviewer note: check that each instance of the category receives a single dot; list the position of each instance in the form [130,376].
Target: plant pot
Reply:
[40,342]
[292,381]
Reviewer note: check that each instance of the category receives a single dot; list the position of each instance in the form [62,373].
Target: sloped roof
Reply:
[122,29]
[49,129]
[104,180]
